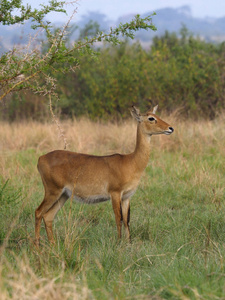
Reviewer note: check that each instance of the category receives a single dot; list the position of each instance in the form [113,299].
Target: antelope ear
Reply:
[155,109]
[135,112]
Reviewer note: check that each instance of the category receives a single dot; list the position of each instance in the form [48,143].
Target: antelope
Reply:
[94,179]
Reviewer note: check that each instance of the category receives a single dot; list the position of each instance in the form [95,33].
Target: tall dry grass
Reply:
[82,136]
[23,283]
[106,138]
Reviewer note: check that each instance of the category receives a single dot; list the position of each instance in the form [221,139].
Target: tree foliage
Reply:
[29,68]
[176,72]
[8,17]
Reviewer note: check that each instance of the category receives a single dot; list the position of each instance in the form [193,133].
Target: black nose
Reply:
[171,128]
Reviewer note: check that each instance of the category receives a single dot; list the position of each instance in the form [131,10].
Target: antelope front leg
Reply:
[116,204]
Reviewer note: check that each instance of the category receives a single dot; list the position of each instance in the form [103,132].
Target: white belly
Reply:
[89,199]
[92,199]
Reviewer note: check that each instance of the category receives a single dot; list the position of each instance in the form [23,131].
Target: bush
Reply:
[176,72]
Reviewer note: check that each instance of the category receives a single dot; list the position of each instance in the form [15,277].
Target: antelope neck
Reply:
[142,150]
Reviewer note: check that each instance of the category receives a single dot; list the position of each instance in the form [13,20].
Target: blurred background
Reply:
[181,65]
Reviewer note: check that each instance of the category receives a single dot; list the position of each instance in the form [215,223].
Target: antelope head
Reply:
[150,123]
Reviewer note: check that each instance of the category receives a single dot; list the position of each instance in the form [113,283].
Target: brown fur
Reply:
[93,179]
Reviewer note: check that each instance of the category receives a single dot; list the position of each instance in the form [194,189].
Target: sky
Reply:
[115,8]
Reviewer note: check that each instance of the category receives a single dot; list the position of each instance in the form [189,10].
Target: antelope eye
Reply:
[151,119]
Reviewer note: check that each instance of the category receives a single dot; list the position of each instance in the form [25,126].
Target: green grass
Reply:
[177,229]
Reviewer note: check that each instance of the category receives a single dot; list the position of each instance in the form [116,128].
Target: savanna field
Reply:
[177,216]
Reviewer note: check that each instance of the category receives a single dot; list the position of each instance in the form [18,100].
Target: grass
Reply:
[177,217]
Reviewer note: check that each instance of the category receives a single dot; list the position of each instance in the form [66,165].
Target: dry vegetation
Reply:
[105,138]
[193,144]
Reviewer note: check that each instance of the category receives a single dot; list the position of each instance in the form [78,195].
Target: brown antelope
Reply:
[93,179]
